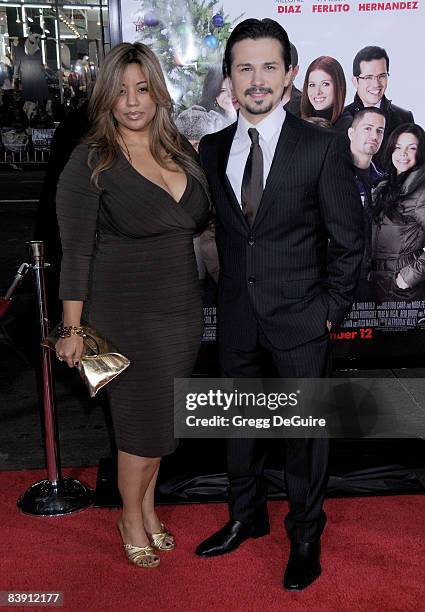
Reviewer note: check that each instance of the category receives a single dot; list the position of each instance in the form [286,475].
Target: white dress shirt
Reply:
[269,130]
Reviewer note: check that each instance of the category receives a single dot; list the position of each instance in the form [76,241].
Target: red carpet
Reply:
[373,558]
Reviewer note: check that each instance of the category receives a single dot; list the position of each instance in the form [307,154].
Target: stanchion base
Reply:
[45,498]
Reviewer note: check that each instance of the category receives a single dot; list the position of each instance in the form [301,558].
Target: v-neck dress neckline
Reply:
[176,202]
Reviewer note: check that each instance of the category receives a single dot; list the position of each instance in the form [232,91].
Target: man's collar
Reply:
[267,127]
[382,104]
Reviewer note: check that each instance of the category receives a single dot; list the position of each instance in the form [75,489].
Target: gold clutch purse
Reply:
[100,362]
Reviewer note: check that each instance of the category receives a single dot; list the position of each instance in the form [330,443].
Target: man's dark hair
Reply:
[294,55]
[369,110]
[35,29]
[367,54]
[255,29]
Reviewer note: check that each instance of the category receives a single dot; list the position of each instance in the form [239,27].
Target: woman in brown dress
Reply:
[128,203]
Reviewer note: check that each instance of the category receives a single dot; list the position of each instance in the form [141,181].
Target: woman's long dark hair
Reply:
[211,89]
[387,202]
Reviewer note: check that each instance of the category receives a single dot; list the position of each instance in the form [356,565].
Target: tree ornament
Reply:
[182,28]
[151,19]
[211,41]
[218,20]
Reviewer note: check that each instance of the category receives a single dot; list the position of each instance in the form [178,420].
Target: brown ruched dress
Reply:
[128,254]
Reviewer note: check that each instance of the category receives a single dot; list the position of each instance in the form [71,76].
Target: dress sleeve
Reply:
[77,206]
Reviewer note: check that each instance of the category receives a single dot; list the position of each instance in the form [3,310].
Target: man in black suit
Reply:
[371,68]
[289,261]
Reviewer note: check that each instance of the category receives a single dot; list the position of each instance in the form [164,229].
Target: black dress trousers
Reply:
[306,468]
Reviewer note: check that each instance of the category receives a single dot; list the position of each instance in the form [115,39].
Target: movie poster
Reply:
[388,315]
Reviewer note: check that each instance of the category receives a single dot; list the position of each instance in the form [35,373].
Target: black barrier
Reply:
[196,472]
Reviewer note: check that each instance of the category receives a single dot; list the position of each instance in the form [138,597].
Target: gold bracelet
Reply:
[70,330]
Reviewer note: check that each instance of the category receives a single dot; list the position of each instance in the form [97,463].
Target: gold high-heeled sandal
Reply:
[143,556]
[163,540]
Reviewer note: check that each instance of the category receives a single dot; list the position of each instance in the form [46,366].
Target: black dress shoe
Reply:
[303,566]
[230,537]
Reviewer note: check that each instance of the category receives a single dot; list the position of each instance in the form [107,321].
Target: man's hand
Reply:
[329,325]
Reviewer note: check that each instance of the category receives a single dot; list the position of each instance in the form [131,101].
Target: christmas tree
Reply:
[188,36]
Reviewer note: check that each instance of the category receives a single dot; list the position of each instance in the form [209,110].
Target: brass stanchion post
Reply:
[54,495]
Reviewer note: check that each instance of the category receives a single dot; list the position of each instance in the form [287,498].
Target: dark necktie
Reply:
[252,181]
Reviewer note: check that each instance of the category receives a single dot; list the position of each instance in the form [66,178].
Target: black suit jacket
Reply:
[298,265]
